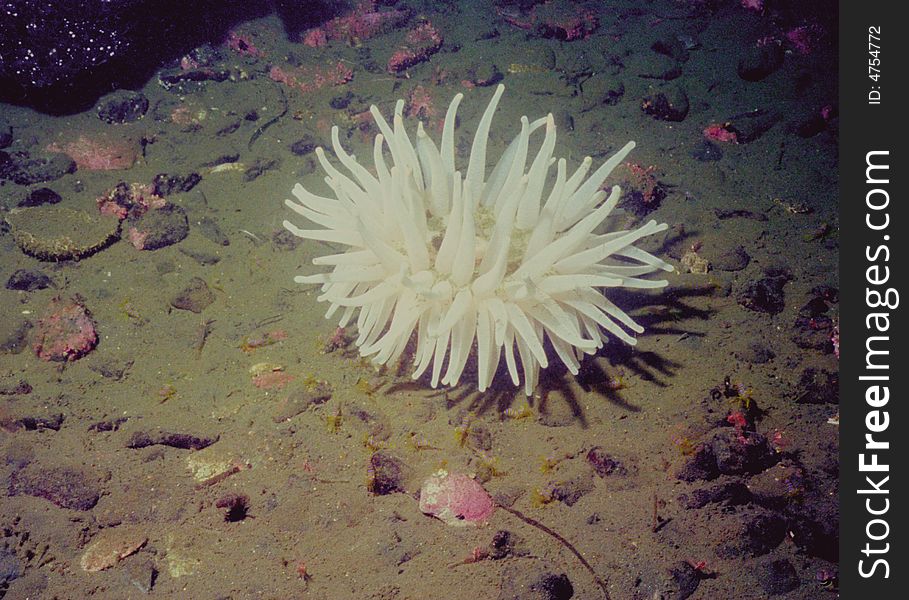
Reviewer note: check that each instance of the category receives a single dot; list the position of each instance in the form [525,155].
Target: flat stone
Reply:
[53,233]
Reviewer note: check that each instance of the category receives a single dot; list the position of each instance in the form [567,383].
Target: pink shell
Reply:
[455,499]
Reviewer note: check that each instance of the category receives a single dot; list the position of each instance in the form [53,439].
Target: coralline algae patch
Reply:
[455,499]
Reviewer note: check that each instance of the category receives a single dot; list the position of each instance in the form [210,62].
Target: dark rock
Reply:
[24,170]
[706,151]
[37,422]
[165,184]
[749,126]
[183,441]
[40,196]
[20,387]
[195,297]
[669,105]
[259,168]
[304,146]
[740,452]
[816,534]
[686,579]
[762,533]
[764,295]
[179,78]
[341,102]
[29,280]
[817,386]
[568,490]
[285,240]
[728,451]
[728,494]
[605,465]
[504,544]
[701,465]
[777,577]
[671,46]
[760,61]
[67,487]
[384,474]
[519,583]
[123,107]
[158,228]
[659,582]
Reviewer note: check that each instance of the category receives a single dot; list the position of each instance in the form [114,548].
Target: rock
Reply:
[817,386]
[385,474]
[110,546]
[659,582]
[672,46]
[741,452]
[39,196]
[455,499]
[701,465]
[165,184]
[567,490]
[764,295]
[305,145]
[777,577]
[749,126]
[123,107]
[669,105]
[28,280]
[686,579]
[24,170]
[727,494]
[65,332]
[183,441]
[728,451]
[53,233]
[760,61]
[158,228]
[195,297]
[67,487]
[541,582]
[604,464]
[756,535]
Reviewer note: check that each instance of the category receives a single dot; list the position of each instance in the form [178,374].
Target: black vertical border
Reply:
[864,128]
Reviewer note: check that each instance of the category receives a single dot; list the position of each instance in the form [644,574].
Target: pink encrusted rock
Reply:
[65,332]
[456,499]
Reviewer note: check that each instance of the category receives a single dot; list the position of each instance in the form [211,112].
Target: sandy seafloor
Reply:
[307,476]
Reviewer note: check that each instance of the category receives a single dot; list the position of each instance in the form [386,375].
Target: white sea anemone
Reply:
[461,258]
